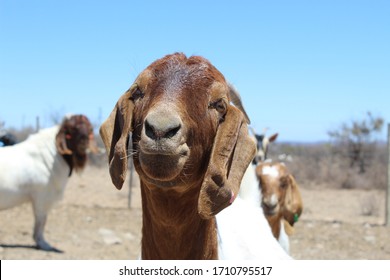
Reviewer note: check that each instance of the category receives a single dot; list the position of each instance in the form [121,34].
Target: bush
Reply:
[319,165]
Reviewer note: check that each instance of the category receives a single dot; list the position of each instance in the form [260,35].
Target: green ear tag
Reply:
[296,216]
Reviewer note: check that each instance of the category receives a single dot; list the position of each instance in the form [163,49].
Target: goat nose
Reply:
[269,205]
[160,125]
[270,202]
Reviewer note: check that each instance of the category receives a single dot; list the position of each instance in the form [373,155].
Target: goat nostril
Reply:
[157,134]
[172,132]
[149,130]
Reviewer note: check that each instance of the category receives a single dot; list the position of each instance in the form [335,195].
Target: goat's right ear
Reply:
[115,134]
[293,205]
[61,145]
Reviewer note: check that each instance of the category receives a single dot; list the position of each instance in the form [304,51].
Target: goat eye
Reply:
[219,105]
[283,184]
[137,94]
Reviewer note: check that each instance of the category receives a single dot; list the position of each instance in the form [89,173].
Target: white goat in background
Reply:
[37,169]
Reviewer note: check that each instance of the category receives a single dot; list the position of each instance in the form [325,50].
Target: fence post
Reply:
[130,182]
[387,222]
[37,124]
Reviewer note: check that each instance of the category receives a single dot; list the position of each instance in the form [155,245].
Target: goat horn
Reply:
[236,100]
[252,130]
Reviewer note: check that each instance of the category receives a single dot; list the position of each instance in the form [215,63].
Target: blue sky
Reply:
[302,67]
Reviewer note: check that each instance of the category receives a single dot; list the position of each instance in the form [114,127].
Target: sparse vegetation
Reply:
[353,158]
[356,141]
[318,165]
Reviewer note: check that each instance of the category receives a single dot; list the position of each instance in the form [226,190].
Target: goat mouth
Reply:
[268,210]
[163,167]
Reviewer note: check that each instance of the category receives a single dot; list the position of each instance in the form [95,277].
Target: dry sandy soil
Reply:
[93,221]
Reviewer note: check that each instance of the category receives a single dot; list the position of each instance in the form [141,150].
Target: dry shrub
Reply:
[319,165]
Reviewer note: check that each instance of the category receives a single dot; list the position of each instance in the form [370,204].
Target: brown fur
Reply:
[193,166]
[289,201]
[274,222]
[172,229]
[73,139]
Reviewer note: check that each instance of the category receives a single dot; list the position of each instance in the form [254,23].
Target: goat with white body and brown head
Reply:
[37,169]
[280,199]
[190,147]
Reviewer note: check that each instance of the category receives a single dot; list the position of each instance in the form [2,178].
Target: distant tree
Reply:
[356,140]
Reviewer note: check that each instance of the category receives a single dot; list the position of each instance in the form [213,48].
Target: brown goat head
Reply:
[73,139]
[185,132]
[280,192]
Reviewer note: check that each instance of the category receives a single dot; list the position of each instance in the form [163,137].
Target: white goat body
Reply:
[283,239]
[38,169]
[28,168]
[33,171]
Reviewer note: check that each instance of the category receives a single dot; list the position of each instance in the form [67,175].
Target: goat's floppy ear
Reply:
[61,145]
[293,201]
[115,133]
[289,229]
[232,152]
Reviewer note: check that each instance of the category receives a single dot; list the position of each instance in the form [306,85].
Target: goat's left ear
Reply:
[232,152]
[115,133]
[61,145]
[293,205]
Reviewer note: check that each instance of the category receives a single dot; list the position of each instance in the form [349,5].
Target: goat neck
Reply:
[172,228]
[275,224]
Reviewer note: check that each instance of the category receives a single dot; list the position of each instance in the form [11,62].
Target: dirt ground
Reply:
[93,221]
